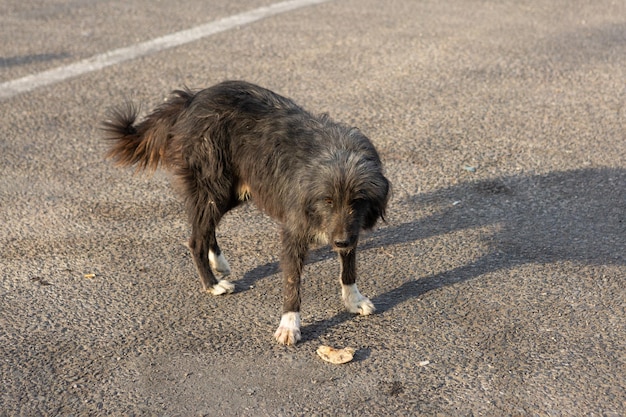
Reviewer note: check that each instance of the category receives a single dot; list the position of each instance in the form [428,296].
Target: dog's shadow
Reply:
[577,215]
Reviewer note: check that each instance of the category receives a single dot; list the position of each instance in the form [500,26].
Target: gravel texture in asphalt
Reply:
[499,277]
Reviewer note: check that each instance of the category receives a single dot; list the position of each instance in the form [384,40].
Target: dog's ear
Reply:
[377,207]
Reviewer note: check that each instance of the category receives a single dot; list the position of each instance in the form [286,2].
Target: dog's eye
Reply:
[328,201]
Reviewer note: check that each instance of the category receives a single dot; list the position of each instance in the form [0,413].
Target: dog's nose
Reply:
[340,243]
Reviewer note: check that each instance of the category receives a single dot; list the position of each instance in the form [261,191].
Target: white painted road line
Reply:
[31,82]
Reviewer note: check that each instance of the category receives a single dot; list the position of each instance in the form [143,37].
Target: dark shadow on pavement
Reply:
[16,61]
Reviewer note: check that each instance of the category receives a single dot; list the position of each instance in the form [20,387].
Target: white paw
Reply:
[355,302]
[222,287]
[288,332]
[219,263]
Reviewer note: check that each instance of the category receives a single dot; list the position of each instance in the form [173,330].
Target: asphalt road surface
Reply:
[499,277]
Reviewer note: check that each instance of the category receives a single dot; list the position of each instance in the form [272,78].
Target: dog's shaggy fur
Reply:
[236,141]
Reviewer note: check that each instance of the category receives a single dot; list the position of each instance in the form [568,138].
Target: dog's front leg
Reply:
[352,298]
[292,262]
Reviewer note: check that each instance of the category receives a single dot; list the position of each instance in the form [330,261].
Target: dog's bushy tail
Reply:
[144,144]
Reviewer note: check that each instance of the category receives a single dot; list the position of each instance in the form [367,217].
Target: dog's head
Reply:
[348,193]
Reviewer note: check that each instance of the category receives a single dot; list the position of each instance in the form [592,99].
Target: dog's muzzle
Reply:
[343,244]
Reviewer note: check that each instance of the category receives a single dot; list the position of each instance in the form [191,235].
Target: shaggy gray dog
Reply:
[322,180]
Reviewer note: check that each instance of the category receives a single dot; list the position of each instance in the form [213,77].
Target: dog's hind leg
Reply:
[202,243]
[292,262]
[216,258]
[352,298]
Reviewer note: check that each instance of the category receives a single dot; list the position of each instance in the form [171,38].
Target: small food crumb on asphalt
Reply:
[336,356]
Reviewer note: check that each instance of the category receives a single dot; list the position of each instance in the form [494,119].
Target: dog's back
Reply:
[233,116]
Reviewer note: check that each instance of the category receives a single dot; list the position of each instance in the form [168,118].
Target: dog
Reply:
[235,141]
